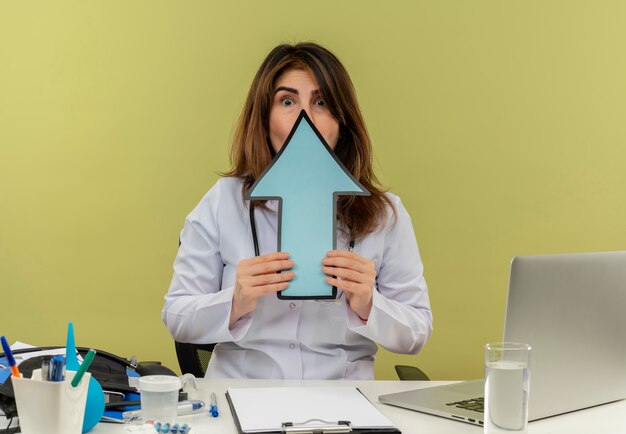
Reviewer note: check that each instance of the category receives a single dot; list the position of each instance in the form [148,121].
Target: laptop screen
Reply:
[571,309]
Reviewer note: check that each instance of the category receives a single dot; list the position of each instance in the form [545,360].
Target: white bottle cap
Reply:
[159,383]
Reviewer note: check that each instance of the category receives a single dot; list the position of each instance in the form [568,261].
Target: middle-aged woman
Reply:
[222,293]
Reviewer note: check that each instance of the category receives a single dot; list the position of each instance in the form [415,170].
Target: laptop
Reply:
[571,309]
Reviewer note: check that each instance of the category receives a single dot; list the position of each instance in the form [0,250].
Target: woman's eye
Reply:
[287,102]
[320,102]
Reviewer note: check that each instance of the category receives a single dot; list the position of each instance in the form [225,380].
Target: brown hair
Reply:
[251,151]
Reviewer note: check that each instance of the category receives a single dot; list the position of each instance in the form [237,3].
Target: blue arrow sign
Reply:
[306,178]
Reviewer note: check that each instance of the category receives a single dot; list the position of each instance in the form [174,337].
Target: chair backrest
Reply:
[412,373]
[193,358]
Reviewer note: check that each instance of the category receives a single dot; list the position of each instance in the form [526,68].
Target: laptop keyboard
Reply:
[475,404]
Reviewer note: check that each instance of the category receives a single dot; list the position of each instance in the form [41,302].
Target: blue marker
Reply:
[57,369]
[174,428]
[157,426]
[213,408]
[165,428]
[185,429]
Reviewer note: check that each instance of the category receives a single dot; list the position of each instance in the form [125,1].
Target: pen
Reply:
[184,407]
[57,369]
[213,408]
[83,368]
[45,368]
[7,352]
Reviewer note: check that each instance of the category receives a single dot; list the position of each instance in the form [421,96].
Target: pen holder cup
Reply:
[51,407]
[159,396]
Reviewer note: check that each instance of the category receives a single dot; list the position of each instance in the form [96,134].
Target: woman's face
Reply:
[297,90]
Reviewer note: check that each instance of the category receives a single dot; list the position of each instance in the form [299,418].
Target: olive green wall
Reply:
[501,124]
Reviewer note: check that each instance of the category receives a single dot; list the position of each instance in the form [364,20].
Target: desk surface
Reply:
[605,419]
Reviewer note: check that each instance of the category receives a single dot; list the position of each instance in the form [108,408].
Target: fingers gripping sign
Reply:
[257,277]
[354,275]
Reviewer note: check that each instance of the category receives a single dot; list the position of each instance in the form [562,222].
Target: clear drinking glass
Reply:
[507,380]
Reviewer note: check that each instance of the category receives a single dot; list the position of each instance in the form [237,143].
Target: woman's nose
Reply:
[311,114]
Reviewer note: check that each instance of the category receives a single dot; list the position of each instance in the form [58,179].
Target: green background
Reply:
[501,125]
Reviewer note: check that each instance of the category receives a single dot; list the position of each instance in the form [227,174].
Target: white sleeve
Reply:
[400,320]
[197,309]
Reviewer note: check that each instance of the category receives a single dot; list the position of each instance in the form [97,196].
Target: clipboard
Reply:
[306,410]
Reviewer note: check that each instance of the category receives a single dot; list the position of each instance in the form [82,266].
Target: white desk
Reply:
[604,419]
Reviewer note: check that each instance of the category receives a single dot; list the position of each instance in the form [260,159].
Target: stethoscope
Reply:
[255,238]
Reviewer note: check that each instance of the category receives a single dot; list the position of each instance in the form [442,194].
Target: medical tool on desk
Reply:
[183,408]
[213,407]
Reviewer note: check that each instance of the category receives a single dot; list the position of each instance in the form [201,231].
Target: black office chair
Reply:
[193,358]
[411,373]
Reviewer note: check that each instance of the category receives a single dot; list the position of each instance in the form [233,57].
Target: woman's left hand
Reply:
[355,276]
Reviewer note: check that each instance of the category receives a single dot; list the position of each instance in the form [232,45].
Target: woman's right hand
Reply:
[257,277]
